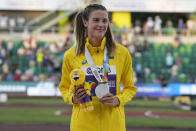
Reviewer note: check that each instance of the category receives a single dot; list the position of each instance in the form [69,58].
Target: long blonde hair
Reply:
[81,31]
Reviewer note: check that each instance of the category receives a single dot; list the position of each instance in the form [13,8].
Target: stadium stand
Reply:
[150,40]
[32,60]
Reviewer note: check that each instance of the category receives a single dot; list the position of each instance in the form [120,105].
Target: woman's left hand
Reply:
[110,100]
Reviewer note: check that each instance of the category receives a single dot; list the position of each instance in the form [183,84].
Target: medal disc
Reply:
[101,90]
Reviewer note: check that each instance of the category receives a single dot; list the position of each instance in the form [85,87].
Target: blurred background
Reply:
[159,34]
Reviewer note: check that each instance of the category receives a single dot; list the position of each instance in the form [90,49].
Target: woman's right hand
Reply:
[80,93]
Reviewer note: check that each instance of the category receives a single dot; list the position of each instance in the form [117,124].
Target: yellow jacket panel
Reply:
[102,118]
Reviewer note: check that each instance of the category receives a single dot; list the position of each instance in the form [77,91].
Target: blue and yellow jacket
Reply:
[102,118]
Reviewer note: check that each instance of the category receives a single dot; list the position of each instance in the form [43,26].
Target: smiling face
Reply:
[97,24]
[77,77]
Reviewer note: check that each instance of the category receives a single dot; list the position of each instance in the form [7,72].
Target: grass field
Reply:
[46,114]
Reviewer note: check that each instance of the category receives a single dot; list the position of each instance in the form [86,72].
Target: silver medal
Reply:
[101,90]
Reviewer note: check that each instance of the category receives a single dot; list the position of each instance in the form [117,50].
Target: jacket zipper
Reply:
[100,110]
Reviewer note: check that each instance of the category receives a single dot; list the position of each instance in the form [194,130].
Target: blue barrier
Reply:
[156,90]
[144,90]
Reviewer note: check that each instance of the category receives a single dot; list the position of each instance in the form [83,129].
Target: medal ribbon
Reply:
[93,67]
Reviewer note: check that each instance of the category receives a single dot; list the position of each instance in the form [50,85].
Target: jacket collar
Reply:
[93,49]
